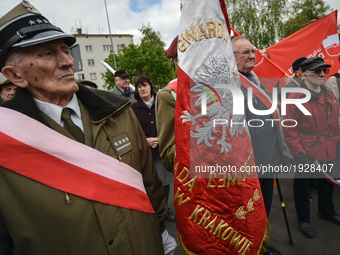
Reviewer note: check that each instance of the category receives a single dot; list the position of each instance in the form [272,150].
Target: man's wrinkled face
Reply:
[7,92]
[123,83]
[49,70]
[244,56]
[318,76]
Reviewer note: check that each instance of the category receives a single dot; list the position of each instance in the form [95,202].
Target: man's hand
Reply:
[153,141]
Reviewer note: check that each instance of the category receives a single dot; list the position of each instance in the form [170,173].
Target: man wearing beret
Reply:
[122,80]
[76,172]
[7,90]
[313,138]
[297,71]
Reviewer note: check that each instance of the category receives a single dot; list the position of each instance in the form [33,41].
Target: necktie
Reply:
[127,93]
[70,127]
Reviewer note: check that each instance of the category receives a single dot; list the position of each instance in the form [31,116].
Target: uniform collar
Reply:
[54,111]
[99,103]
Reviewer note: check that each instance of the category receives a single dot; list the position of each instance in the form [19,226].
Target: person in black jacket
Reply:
[144,109]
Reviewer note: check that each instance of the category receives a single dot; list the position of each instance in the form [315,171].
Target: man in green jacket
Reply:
[165,105]
[50,201]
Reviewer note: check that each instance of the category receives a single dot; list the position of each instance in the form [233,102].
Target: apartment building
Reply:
[90,49]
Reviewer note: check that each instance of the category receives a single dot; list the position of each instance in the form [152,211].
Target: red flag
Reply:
[319,39]
[219,206]
[266,70]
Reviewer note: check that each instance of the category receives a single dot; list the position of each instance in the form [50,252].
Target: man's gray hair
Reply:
[235,39]
[14,58]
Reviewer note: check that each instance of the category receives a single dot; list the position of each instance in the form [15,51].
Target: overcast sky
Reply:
[125,16]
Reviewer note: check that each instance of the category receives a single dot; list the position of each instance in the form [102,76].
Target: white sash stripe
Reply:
[43,138]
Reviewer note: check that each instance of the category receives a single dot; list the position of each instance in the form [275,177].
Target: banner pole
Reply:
[283,206]
[290,77]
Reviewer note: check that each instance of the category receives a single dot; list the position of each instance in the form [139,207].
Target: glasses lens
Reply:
[319,70]
[248,52]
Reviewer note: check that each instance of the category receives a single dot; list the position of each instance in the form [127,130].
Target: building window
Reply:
[88,48]
[119,47]
[107,47]
[93,76]
[81,76]
[90,62]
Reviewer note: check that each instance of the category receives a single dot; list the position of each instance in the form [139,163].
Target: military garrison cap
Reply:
[297,63]
[6,82]
[24,26]
[171,52]
[312,63]
[89,83]
[122,73]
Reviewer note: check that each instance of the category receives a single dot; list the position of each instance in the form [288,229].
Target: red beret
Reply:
[172,51]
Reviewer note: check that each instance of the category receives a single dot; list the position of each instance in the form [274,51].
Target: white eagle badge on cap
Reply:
[30,7]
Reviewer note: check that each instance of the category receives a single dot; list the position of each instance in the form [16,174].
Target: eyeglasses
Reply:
[319,70]
[247,53]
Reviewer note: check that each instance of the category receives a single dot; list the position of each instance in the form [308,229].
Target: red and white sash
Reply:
[35,151]
[260,94]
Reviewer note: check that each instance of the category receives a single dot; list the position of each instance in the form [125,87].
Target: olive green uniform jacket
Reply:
[166,126]
[36,220]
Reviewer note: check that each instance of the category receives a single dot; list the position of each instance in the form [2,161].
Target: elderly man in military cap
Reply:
[7,90]
[123,88]
[76,172]
[312,138]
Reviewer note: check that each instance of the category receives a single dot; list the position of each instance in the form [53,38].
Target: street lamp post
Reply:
[113,52]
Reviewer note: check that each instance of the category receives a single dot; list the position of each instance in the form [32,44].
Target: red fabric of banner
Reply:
[319,39]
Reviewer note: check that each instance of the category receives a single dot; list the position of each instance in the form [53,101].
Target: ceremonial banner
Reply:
[218,200]
[266,70]
[68,165]
[319,39]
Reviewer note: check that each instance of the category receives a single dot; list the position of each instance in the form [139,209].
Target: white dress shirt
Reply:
[54,111]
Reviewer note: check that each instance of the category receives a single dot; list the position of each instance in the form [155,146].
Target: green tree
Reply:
[303,12]
[148,58]
[258,20]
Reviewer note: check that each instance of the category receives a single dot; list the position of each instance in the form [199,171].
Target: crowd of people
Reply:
[43,213]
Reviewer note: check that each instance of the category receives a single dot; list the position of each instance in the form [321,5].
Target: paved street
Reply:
[327,234]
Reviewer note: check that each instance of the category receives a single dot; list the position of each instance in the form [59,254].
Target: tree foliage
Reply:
[302,13]
[148,58]
[265,22]
[258,20]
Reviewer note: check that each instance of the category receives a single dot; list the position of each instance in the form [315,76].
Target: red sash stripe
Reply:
[35,151]
[260,93]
